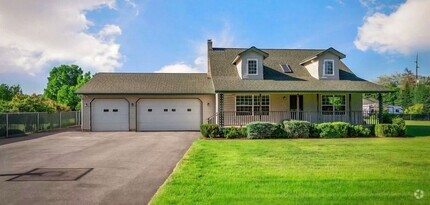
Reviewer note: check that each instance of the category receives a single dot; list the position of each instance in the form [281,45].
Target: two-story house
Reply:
[241,85]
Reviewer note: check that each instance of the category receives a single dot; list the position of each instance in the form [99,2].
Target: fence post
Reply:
[7,125]
[60,119]
[38,121]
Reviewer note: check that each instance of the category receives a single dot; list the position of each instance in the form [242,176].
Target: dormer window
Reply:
[329,67]
[252,66]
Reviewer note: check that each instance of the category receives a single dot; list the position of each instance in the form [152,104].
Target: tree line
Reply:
[59,94]
[409,92]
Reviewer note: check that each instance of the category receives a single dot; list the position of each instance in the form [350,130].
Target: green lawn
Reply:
[418,128]
[303,171]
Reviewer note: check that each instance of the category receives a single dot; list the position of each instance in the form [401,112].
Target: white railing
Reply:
[232,118]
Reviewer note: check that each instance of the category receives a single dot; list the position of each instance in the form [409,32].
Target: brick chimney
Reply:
[209,44]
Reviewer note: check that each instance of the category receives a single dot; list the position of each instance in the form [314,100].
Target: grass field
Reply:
[418,128]
[303,171]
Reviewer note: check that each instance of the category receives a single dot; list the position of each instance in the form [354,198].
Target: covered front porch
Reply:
[238,109]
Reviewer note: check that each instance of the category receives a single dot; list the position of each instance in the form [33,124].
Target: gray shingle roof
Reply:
[148,83]
[226,78]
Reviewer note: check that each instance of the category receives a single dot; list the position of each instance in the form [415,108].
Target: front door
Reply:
[296,107]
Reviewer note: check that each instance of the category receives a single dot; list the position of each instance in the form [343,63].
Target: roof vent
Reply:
[286,68]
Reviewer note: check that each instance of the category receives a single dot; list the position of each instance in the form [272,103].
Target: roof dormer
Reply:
[324,65]
[249,63]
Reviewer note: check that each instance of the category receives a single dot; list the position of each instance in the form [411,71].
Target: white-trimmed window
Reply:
[252,105]
[252,65]
[328,67]
[333,104]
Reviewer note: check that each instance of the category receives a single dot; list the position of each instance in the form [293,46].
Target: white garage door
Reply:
[109,115]
[169,114]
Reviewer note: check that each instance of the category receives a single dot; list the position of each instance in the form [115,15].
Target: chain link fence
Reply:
[22,123]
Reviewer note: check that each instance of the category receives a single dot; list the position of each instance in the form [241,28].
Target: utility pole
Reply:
[416,70]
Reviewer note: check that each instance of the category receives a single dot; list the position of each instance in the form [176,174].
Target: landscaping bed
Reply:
[395,127]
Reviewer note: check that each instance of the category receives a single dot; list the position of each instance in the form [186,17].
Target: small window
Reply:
[328,67]
[189,110]
[115,110]
[173,110]
[105,110]
[165,110]
[252,67]
[149,110]
[286,68]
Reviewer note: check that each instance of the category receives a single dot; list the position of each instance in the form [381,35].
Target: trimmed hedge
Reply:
[402,125]
[210,130]
[234,132]
[387,130]
[298,129]
[334,129]
[264,130]
[358,131]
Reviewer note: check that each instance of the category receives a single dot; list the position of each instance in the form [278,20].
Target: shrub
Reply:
[387,130]
[314,131]
[297,129]
[234,132]
[387,117]
[358,131]
[402,125]
[279,131]
[210,130]
[334,129]
[262,130]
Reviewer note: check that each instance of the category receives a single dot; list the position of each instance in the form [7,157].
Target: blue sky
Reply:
[147,36]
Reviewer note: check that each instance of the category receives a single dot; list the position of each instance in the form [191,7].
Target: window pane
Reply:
[328,65]
[252,67]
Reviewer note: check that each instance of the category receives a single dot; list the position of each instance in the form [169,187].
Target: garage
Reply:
[169,114]
[109,115]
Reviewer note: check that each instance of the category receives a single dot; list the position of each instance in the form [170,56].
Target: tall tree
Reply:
[406,95]
[8,92]
[63,81]
[419,93]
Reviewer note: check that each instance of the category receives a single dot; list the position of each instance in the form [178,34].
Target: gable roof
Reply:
[253,48]
[330,50]
[226,78]
[148,83]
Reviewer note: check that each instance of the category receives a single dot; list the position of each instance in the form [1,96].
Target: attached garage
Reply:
[147,101]
[169,114]
[110,115]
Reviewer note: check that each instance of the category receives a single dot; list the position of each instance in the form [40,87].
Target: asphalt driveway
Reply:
[128,167]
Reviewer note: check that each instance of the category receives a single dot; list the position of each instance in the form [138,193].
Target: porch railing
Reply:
[232,118]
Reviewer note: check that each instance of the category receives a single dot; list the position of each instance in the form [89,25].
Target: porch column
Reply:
[318,109]
[298,107]
[381,108]
[221,109]
[350,120]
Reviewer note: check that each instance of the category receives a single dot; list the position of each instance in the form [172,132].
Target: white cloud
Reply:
[329,7]
[406,30]
[40,33]
[223,39]
[180,67]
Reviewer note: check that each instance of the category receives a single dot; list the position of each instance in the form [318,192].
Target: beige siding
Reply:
[356,102]
[279,102]
[313,69]
[208,105]
[229,102]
